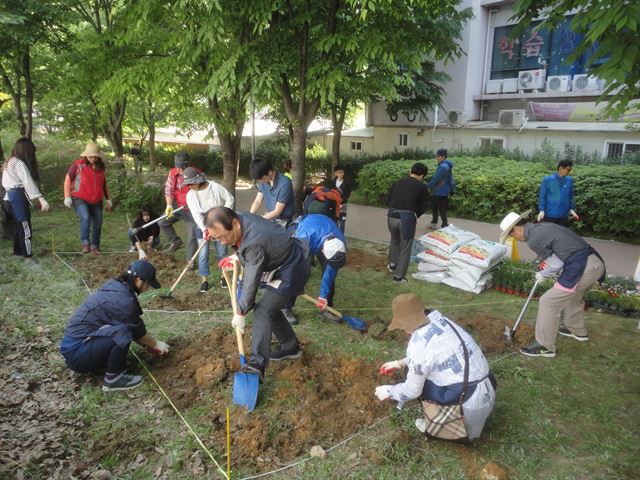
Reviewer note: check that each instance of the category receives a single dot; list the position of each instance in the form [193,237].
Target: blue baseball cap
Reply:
[144,271]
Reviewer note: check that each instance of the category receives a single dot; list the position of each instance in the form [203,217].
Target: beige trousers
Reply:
[555,301]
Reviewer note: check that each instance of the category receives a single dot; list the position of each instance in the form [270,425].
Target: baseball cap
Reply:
[334,251]
[191,176]
[144,271]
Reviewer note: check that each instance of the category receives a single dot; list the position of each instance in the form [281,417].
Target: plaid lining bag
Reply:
[447,421]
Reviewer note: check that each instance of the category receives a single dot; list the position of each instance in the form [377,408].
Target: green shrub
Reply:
[607,197]
[131,192]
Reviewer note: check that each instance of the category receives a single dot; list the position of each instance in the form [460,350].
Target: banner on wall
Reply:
[579,112]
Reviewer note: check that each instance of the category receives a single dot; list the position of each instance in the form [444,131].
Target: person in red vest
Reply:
[85,186]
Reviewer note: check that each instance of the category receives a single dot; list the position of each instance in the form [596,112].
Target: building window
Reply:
[403,139]
[491,142]
[616,149]
[356,146]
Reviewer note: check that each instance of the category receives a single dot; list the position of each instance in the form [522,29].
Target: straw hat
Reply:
[408,313]
[92,150]
[510,221]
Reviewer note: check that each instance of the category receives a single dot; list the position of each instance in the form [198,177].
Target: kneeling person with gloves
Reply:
[100,331]
[328,243]
[272,260]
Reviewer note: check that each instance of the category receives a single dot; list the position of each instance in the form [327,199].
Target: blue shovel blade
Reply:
[245,388]
[355,323]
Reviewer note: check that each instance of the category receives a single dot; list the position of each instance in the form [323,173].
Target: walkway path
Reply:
[370,223]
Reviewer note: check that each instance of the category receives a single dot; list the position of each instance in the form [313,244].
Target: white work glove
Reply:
[109,205]
[540,216]
[321,303]
[44,205]
[389,367]
[239,321]
[574,214]
[168,211]
[142,255]
[383,392]
[160,348]
[68,202]
[150,242]
[540,278]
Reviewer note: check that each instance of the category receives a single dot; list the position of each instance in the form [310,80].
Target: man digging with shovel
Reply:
[273,261]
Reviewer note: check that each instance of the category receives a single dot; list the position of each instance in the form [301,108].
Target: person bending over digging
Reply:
[580,265]
[99,333]
[327,242]
[273,261]
[446,371]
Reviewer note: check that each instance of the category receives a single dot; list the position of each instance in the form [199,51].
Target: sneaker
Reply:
[280,354]
[223,283]
[124,381]
[253,368]
[204,287]
[85,248]
[289,315]
[391,267]
[133,249]
[567,333]
[95,250]
[433,226]
[537,350]
[400,280]
[175,245]
[330,317]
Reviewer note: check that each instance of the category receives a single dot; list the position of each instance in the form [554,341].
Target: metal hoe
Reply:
[510,332]
[136,230]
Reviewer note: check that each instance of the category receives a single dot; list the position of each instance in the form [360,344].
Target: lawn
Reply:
[575,416]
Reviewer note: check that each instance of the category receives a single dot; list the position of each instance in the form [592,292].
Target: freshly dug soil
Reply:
[314,400]
[359,260]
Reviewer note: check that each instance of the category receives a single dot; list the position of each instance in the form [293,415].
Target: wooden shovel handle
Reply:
[232,284]
[195,255]
[329,309]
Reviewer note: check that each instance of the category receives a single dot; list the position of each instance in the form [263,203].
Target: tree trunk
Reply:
[28,93]
[298,150]
[338,114]
[152,144]
[230,145]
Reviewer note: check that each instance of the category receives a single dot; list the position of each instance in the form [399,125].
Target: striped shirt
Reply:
[15,174]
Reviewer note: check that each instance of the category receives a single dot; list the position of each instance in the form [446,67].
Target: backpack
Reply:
[325,201]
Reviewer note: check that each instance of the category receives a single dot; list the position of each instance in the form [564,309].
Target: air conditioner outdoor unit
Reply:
[456,118]
[531,79]
[559,83]
[494,86]
[511,118]
[586,83]
[510,85]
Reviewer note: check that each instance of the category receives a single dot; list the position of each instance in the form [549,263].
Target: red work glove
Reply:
[160,348]
[389,367]
[227,262]
[206,235]
[543,265]
[321,303]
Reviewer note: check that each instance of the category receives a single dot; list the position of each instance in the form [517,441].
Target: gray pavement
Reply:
[370,223]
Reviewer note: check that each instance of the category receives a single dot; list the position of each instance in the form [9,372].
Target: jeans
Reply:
[90,216]
[132,238]
[166,226]
[203,256]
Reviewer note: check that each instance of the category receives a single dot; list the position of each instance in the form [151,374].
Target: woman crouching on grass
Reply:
[99,333]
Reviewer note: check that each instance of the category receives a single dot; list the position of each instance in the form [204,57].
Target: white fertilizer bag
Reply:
[481,253]
[484,283]
[434,256]
[470,275]
[431,267]
[431,277]
[448,238]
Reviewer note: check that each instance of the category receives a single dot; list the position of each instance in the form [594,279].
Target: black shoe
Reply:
[253,368]
[124,381]
[391,267]
[567,333]
[223,283]
[280,354]
[175,245]
[399,280]
[537,350]
[204,287]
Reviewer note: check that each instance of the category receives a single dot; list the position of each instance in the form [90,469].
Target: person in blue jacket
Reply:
[98,334]
[442,185]
[327,242]
[555,199]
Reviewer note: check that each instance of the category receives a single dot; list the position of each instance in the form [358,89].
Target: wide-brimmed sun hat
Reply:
[92,150]
[408,313]
[510,221]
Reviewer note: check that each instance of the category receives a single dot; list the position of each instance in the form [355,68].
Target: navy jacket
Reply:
[111,311]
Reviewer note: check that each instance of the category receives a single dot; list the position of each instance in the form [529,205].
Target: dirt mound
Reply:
[326,398]
[488,331]
[359,260]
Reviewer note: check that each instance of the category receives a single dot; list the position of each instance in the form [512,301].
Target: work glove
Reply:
[383,392]
[543,265]
[44,205]
[227,262]
[206,235]
[168,211]
[109,205]
[150,242]
[574,214]
[161,348]
[389,367]
[68,202]
[321,303]
[239,321]
[540,216]
[540,278]
[142,255]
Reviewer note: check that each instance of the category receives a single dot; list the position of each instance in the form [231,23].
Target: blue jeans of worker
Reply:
[90,216]
[203,256]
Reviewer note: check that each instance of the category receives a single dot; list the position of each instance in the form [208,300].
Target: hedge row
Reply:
[607,197]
